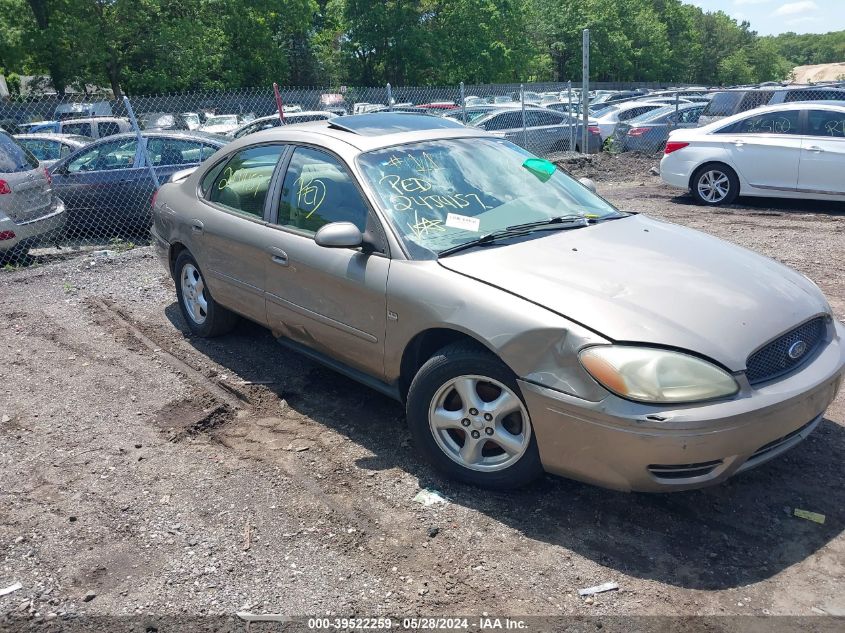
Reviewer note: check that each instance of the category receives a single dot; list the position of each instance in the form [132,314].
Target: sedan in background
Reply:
[107,186]
[608,118]
[49,148]
[794,150]
[29,210]
[273,120]
[543,131]
[649,132]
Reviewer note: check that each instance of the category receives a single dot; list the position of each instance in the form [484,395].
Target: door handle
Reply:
[815,148]
[196,226]
[279,256]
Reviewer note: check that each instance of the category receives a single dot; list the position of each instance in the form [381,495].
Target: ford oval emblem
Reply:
[797,350]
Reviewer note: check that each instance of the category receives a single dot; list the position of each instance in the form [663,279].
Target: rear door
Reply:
[229,227]
[765,149]
[332,300]
[822,168]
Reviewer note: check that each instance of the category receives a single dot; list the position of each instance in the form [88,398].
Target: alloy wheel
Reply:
[193,294]
[714,186]
[479,423]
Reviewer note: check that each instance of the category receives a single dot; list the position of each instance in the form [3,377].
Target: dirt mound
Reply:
[815,73]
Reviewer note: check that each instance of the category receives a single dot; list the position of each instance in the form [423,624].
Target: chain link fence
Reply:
[81,173]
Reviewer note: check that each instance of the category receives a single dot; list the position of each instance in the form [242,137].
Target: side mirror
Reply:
[339,235]
[589,184]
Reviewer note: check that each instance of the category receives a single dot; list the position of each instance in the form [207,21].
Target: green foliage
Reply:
[155,46]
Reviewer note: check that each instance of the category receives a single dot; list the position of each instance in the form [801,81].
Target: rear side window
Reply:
[769,123]
[755,99]
[723,104]
[83,129]
[826,123]
[14,157]
[815,95]
[242,185]
[107,128]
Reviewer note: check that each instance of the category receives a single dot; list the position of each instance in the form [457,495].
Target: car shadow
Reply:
[731,535]
[769,205]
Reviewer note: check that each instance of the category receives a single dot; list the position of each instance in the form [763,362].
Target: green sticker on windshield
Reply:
[540,167]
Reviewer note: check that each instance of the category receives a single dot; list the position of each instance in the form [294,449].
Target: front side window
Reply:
[318,190]
[106,156]
[440,194]
[785,122]
[242,185]
[504,121]
[826,123]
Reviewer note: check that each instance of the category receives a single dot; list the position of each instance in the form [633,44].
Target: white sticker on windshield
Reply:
[465,222]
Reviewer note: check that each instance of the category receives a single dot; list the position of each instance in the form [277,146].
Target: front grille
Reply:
[773,360]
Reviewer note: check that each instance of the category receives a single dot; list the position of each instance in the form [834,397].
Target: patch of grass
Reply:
[120,245]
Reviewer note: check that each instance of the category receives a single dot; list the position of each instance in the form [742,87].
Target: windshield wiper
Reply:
[517,230]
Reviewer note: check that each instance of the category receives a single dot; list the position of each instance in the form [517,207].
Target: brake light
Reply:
[674,146]
[594,129]
[4,188]
[7,235]
[637,131]
[48,176]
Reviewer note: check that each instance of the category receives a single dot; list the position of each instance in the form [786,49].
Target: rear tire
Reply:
[467,416]
[714,184]
[204,316]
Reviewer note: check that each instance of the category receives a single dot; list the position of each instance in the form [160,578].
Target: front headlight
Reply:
[655,375]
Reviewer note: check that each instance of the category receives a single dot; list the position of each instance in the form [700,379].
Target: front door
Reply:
[331,300]
[766,149]
[822,167]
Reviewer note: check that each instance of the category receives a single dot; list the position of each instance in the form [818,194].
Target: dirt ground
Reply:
[145,471]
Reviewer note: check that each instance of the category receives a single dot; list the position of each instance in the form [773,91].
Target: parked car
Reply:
[48,148]
[192,119]
[730,102]
[82,110]
[792,150]
[222,123]
[107,185]
[93,127]
[608,118]
[521,319]
[649,132]
[164,121]
[29,211]
[273,120]
[545,130]
[472,112]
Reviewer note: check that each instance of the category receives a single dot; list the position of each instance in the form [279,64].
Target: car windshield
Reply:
[441,194]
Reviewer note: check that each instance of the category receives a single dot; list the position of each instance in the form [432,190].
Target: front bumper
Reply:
[31,232]
[619,444]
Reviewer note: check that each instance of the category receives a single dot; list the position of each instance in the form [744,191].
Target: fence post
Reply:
[389,99]
[585,90]
[140,138]
[463,104]
[572,118]
[524,127]
[677,107]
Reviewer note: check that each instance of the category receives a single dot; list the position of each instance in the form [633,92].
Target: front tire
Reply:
[204,316]
[714,184]
[467,415]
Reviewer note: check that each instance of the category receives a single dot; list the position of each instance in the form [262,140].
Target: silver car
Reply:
[29,212]
[526,323]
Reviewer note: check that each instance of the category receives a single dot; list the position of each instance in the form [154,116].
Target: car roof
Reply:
[71,138]
[838,106]
[328,134]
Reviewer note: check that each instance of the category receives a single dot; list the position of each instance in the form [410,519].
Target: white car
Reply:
[608,118]
[791,150]
[221,123]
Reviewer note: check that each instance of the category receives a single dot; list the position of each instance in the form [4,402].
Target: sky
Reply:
[770,17]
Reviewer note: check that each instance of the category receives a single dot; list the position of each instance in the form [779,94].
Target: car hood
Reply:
[638,279]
